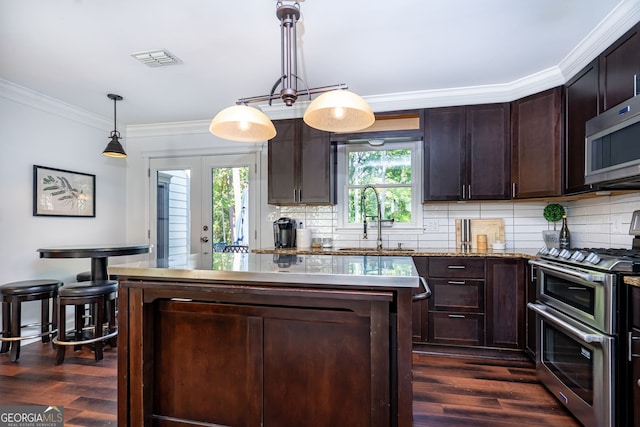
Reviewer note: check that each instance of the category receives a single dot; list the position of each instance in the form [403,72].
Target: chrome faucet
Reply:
[379,215]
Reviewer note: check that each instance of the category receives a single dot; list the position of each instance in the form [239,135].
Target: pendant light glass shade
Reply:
[339,110]
[242,123]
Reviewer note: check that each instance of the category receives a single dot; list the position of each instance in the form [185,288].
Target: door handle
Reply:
[204,239]
[424,295]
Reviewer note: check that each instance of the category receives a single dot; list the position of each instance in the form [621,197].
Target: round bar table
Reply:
[99,255]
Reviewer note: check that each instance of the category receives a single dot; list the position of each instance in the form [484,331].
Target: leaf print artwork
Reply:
[63,193]
[60,186]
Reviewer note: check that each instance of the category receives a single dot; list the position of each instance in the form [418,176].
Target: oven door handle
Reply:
[588,338]
[567,271]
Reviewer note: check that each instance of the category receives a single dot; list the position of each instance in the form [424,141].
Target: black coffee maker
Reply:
[284,233]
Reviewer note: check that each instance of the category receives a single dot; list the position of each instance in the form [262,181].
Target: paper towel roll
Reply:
[303,238]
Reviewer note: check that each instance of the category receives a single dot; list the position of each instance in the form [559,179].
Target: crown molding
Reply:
[613,26]
[47,104]
[192,127]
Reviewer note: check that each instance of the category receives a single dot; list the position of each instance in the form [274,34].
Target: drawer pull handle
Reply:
[456,267]
[457,316]
[456,282]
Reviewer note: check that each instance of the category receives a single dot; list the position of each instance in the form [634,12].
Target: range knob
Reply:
[543,250]
[578,256]
[554,252]
[564,253]
[593,258]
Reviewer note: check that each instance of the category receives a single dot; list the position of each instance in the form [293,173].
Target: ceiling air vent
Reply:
[157,58]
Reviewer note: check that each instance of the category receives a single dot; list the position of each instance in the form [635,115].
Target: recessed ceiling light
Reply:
[157,58]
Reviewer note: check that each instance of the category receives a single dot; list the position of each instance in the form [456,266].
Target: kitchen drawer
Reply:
[456,328]
[454,295]
[454,267]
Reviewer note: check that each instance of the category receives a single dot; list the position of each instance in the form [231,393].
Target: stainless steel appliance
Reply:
[284,233]
[612,154]
[581,342]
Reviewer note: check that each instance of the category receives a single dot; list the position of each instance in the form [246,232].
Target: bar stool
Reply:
[13,295]
[98,327]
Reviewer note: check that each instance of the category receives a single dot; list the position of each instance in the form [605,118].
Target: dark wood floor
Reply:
[448,391]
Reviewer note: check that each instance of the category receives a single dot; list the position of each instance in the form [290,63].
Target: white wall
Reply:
[41,131]
[599,222]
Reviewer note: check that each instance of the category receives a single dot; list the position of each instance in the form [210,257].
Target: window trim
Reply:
[416,148]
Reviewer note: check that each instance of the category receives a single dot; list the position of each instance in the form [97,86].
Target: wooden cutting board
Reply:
[493,228]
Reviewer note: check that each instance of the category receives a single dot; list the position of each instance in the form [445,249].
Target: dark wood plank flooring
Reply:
[448,391]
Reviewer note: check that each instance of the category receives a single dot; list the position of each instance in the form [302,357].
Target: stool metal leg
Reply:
[97,327]
[16,315]
[44,320]
[62,334]
[79,324]
[6,326]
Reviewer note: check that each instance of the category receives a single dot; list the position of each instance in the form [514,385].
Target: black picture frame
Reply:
[63,193]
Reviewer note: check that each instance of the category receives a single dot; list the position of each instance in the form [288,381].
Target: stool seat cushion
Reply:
[87,289]
[29,287]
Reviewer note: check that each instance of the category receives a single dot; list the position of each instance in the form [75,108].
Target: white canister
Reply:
[303,238]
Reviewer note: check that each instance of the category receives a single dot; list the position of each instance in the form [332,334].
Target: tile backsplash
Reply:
[601,221]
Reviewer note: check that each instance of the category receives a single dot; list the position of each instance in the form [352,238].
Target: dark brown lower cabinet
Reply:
[203,354]
[531,343]
[456,328]
[477,301]
[505,306]
[456,307]
[457,315]
[635,367]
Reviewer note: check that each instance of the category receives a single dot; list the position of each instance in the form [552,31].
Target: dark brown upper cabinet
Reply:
[467,153]
[580,105]
[301,165]
[620,69]
[536,161]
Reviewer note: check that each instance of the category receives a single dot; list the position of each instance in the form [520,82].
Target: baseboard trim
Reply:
[477,352]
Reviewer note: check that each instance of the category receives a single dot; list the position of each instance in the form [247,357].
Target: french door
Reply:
[202,204]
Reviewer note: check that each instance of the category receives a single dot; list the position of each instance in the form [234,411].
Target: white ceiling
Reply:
[77,51]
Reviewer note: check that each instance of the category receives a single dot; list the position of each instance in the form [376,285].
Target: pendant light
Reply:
[114,148]
[336,110]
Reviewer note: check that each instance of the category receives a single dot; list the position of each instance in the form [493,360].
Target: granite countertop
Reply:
[632,280]
[507,253]
[350,270]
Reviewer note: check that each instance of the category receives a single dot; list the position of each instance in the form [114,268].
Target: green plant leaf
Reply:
[553,212]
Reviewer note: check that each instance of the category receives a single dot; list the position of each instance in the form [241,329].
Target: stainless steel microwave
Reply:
[612,146]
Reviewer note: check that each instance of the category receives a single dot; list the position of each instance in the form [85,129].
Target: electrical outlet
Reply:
[431,226]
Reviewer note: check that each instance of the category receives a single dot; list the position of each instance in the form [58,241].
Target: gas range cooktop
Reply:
[612,260]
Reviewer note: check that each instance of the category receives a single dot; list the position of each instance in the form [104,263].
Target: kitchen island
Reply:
[272,340]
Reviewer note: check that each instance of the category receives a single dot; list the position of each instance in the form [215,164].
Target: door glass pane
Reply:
[230,208]
[173,215]
[570,361]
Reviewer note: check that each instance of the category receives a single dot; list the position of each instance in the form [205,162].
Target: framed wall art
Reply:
[58,192]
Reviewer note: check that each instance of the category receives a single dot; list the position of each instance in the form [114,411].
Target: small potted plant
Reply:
[552,213]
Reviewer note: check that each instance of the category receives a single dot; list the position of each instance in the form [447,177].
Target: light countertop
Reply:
[507,253]
[351,270]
